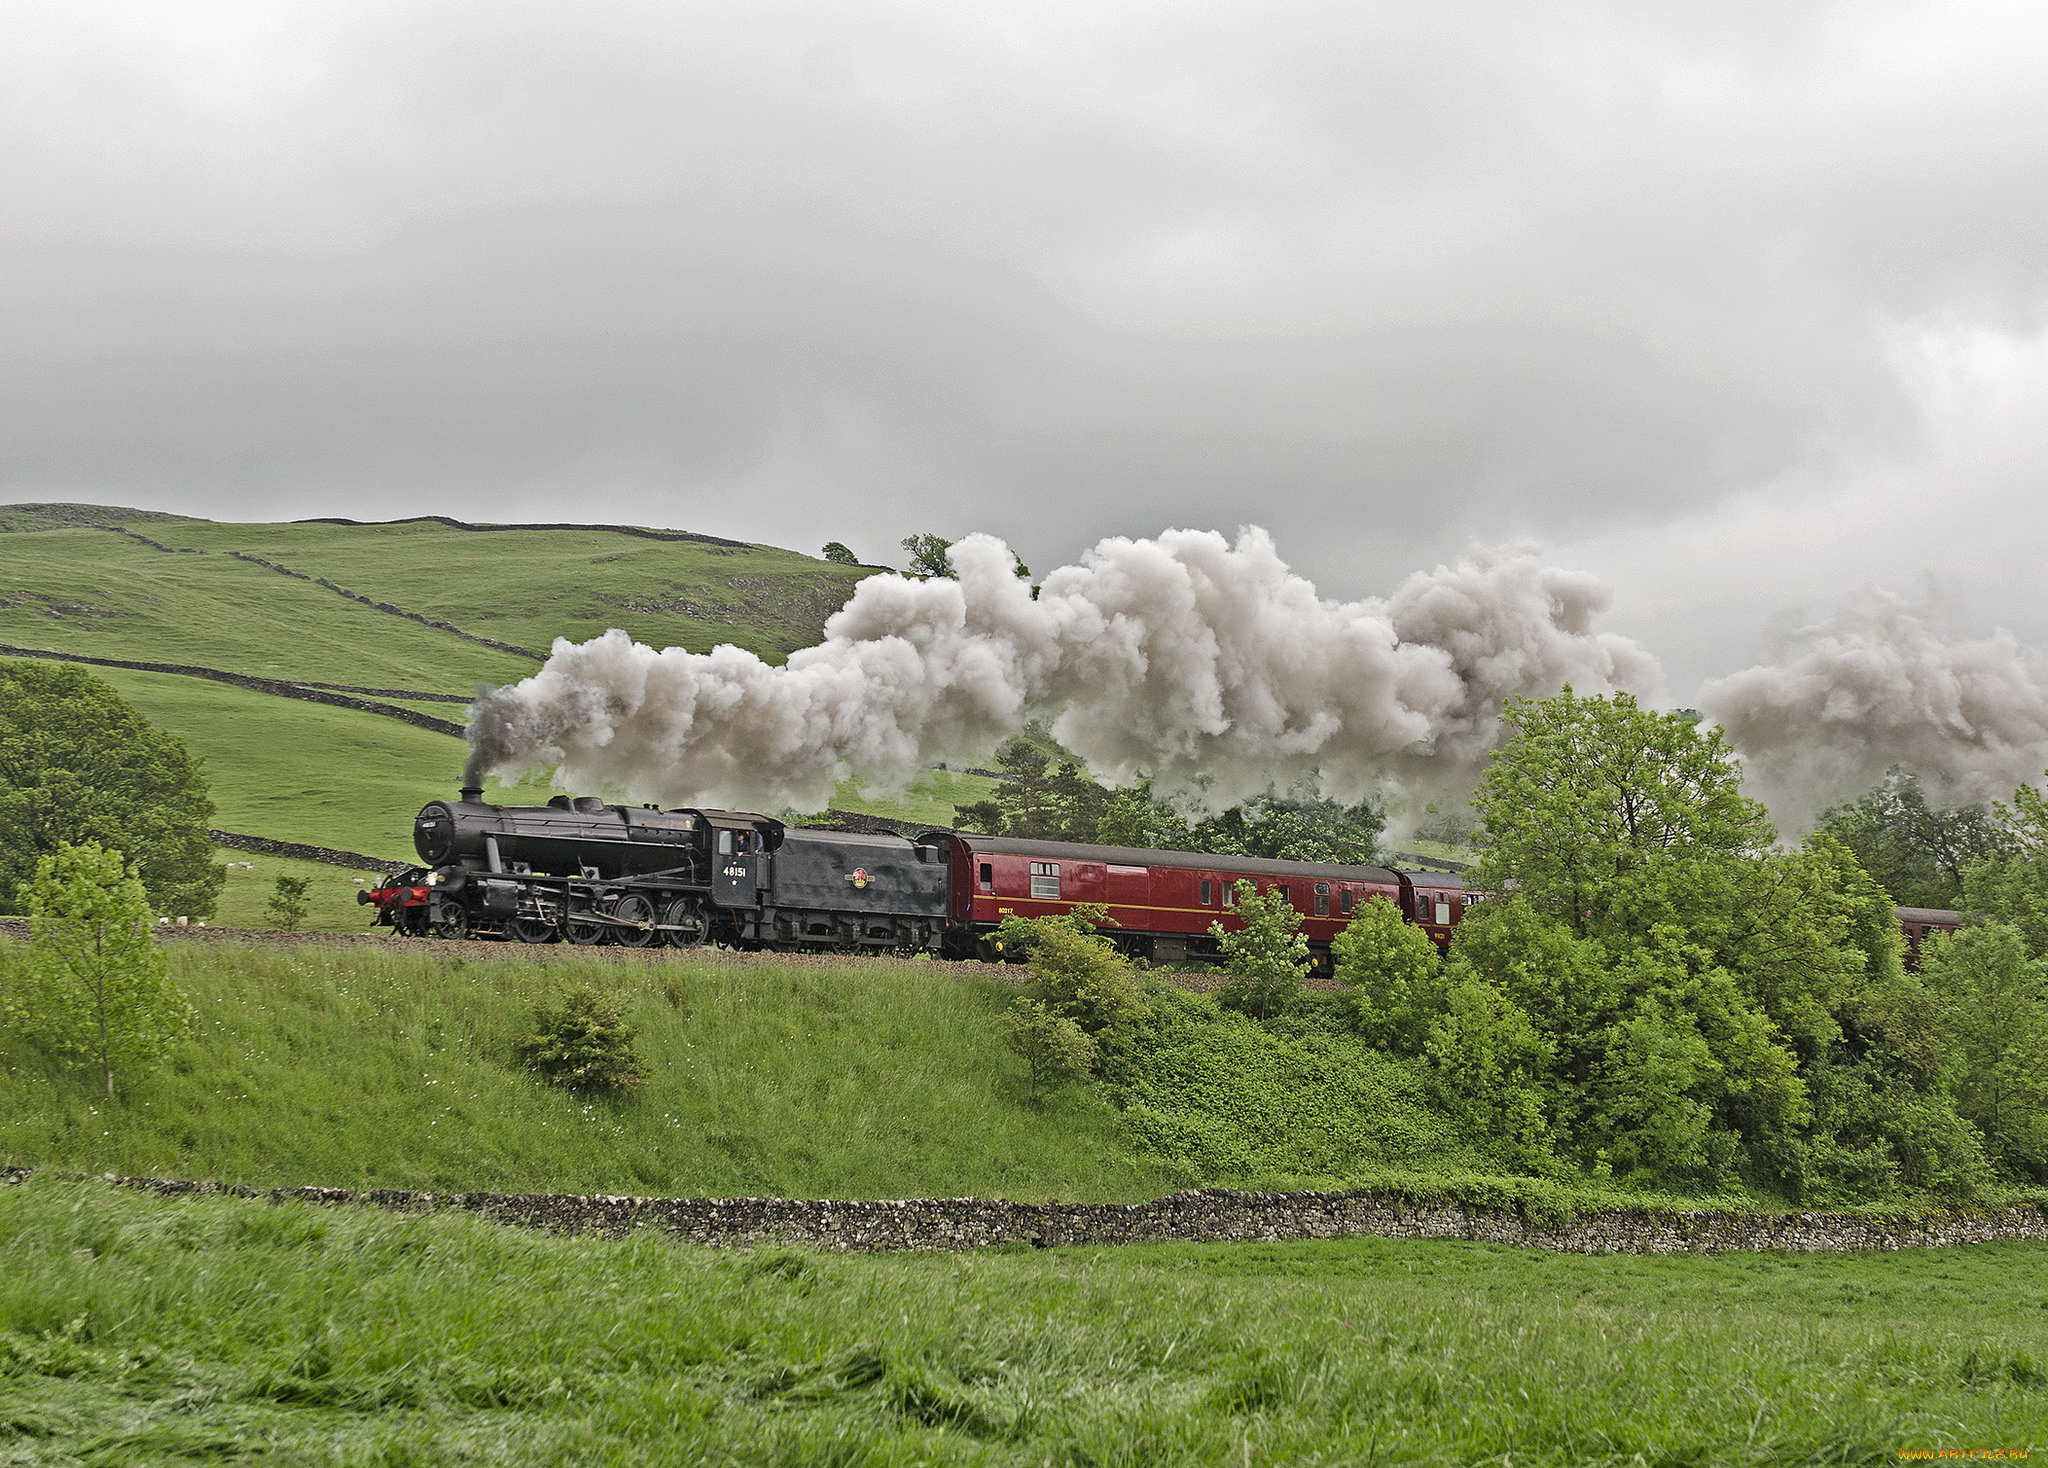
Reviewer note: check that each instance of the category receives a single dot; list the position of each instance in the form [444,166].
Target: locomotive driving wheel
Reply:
[688,923]
[534,930]
[637,910]
[582,930]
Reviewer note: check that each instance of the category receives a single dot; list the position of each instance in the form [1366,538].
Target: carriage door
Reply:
[735,867]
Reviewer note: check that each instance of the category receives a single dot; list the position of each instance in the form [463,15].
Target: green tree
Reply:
[1076,972]
[1294,827]
[2011,883]
[839,555]
[582,1044]
[1047,794]
[1607,815]
[1054,1046]
[1394,976]
[1916,853]
[1491,1065]
[1997,1001]
[928,558]
[95,987]
[1267,958]
[78,765]
[288,902]
[1708,999]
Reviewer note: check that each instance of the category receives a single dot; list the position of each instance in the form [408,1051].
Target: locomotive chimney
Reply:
[472,793]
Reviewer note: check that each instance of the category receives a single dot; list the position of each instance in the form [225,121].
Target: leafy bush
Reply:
[1053,1046]
[583,1044]
[1267,958]
[288,902]
[1997,1039]
[1490,1062]
[94,986]
[1076,972]
[1222,1098]
[1393,977]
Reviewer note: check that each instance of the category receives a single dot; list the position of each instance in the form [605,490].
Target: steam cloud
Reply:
[1878,687]
[1204,664]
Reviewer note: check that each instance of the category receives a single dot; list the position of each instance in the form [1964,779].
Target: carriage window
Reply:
[1285,896]
[1045,879]
[1208,893]
[1344,900]
[1230,894]
[988,877]
[1322,899]
[1443,914]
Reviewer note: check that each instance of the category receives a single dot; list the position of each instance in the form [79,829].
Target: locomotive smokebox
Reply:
[472,793]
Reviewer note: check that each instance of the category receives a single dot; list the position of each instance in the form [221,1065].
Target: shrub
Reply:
[584,1044]
[1267,959]
[288,902]
[1998,1039]
[1084,979]
[95,986]
[1394,976]
[1077,973]
[1490,1061]
[1053,1046]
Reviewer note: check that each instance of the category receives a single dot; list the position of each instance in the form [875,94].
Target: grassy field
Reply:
[331,905]
[135,1330]
[393,1067]
[931,797]
[86,590]
[335,777]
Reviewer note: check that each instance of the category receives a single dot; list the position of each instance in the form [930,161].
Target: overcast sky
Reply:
[1738,304]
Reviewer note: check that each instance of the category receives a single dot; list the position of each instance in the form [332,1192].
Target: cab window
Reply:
[725,843]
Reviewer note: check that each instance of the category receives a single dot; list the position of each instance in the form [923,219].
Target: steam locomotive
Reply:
[582,871]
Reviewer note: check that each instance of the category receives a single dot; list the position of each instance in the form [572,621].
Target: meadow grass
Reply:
[331,905]
[392,1067]
[335,777]
[143,1330]
[930,797]
[301,771]
[130,601]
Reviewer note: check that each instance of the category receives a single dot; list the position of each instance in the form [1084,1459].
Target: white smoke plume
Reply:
[1204,664]
[1877,687]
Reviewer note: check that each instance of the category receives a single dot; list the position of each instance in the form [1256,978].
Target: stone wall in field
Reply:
[1208,1215]
[263,845]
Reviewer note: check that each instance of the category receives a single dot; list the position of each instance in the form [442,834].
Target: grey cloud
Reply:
[1384,279]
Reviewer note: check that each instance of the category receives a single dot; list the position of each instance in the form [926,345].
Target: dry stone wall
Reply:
[308,693]
[1209,1215]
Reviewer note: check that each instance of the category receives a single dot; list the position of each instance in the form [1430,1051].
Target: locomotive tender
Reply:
[581,870]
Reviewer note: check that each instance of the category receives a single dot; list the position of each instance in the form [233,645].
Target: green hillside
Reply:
[140,586]
[391,1065]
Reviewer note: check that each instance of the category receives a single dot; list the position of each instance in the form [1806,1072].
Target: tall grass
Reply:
[140,1330]
[392,1068]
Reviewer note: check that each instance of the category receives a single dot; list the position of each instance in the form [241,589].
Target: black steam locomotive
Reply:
[581,871]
